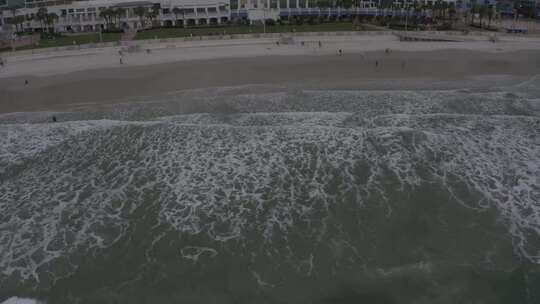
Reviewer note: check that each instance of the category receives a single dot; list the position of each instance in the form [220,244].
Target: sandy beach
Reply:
[243,171]
[63,79]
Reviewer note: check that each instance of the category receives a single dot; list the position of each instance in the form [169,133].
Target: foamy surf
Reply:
[17,300]
[268,190]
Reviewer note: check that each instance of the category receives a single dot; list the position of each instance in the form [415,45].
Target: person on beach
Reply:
[54,118]
[148,51]
[340,52]
[26,82]
[376,63]
[320,44]
[1,62]
[302,43]
[121,62]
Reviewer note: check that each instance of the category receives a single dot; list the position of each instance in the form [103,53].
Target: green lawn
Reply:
[243,29]
[186,32]
[68,40]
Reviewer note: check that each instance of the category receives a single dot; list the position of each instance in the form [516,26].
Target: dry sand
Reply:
[61,80]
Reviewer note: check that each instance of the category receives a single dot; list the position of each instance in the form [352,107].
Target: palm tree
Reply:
[118,14]
[50,19]
[322,4]
[151,15]
[429,7]
[14,10]
[425,8]
[474,8]
[444,8]
[393,11]
[156,8]
[107,14]
[452,13]
[482,13]
[140,12]
[177,11]
[490,15]
[41,15]
[417,9]
[19,20]
[385,4]
[408,7]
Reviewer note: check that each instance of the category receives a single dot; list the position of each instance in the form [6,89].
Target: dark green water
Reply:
[292,197]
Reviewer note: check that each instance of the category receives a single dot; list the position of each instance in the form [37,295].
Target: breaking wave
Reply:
[308,183]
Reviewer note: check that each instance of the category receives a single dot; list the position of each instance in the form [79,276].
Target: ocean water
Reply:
[231,195]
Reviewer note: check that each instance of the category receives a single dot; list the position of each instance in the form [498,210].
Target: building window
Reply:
[91,9]
[201,10]
[166,11]
[212,10]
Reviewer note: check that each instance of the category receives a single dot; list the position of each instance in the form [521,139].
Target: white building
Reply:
[274,9]
[85,15]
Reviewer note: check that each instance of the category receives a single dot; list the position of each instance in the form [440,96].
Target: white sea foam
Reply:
[20,141]
[72,186]
[17,300]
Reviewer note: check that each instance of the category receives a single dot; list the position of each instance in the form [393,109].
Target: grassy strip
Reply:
[72,40]
[230,30]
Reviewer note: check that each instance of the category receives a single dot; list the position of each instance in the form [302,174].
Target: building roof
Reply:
[133,3]
[163,2]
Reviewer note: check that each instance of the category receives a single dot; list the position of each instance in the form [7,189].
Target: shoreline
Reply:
[64,81]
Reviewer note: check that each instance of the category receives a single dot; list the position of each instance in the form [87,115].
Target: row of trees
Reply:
[112,16]
[440,11]
[482,11]
[412,13]
[45,19]
[390,12]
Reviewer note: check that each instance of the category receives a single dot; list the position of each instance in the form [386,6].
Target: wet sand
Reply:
[361,70]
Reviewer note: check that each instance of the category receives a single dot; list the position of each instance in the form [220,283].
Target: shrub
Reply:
[270,22]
